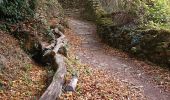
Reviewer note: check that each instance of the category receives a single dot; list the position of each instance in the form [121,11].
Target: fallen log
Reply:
[57,61]
[47,54]
[55,88]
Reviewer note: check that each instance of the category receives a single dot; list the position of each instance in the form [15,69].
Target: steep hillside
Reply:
[23,24]
[20,77]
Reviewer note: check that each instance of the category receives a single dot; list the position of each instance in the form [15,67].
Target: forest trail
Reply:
[95,53]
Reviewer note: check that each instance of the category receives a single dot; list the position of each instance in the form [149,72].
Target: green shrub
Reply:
[16,10]
[159,11]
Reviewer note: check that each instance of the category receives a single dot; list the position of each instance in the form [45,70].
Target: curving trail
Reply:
[140,74]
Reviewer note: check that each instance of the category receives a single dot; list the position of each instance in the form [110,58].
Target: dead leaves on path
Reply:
[96,84]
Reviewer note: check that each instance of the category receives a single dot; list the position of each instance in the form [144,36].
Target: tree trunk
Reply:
[57,61]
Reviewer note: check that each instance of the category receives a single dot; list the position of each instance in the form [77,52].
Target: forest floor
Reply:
[20,77]
[106,73]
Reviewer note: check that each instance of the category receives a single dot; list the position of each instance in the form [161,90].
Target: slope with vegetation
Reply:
[22,75]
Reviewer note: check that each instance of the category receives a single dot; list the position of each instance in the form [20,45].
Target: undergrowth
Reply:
[16,10]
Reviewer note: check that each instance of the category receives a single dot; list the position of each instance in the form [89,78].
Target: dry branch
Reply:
[56,41]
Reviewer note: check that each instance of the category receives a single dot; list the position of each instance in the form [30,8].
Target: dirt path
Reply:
[93,52]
